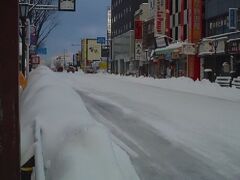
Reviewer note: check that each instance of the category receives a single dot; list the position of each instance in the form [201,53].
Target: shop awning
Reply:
[179,47]
[207,46]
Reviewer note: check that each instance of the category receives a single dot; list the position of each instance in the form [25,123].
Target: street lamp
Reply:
[146,56]
[215,46]
[23,10]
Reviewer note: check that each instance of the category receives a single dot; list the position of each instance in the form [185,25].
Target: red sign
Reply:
[138,29]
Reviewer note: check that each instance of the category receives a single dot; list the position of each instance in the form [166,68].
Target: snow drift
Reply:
[75,146]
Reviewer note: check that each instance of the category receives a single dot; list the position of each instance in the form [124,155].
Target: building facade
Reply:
[178,29]
[122,33]
[220,50]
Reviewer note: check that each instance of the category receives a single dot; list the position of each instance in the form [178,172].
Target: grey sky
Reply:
[89,20]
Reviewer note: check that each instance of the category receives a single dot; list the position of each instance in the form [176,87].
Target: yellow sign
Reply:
[103,65]
[94,50]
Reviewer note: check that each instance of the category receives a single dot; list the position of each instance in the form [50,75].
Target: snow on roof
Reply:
[75,146]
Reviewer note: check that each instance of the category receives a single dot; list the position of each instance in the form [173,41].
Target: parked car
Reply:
[71,69]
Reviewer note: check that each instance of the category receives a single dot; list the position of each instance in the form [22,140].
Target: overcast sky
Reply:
[88,21]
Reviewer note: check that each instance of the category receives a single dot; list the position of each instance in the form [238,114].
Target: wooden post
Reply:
[9,104]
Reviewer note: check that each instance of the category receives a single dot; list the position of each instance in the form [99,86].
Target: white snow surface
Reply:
[199,115]
[75,146]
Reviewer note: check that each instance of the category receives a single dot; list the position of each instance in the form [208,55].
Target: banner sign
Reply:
[66,5]
[233,18]
[195,20]
[138,49]
[138,29]
[160,16]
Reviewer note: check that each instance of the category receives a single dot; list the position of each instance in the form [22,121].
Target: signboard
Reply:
[161,42]
[138,29]
[233,46]
[207,46]
[101,40]
[160,16]
[33,38]
[42,51]
[32,49]
[195,20]
[233,18]
[35,59]
[93,50]
[188,49]
[138,50]
[66,5]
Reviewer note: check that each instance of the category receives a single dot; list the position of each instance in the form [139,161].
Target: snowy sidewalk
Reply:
[75,146]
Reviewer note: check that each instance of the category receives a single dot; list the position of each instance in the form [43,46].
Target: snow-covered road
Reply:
[169,133]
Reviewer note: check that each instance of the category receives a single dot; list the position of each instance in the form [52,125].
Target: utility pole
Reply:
[9,103]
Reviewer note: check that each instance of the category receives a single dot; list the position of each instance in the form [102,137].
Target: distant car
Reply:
[89,69]
[71,69]
[60,69]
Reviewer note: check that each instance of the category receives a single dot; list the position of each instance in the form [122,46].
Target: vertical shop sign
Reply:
[138,29]
[195,19]
[160,16]
[167,21]
[233,18]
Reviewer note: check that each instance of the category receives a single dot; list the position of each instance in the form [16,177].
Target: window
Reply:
[171,7]
[176,33]
[185,32]
[185,4]
[176,5]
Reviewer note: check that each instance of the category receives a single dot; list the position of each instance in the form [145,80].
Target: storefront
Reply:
[233,50]
[219,56]
[173,59]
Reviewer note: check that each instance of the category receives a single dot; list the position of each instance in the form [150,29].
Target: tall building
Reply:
[122,34]
[220,48]
[180,21]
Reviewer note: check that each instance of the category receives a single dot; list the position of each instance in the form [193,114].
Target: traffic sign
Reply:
[101,40]
[42,51]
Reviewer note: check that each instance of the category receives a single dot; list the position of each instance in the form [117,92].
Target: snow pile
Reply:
[75,146]
[188,85]
[200,116]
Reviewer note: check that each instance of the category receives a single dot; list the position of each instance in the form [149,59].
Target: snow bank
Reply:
[188,85]
[75,146]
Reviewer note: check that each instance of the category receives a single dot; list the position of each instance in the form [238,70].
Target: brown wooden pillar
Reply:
[9,105]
